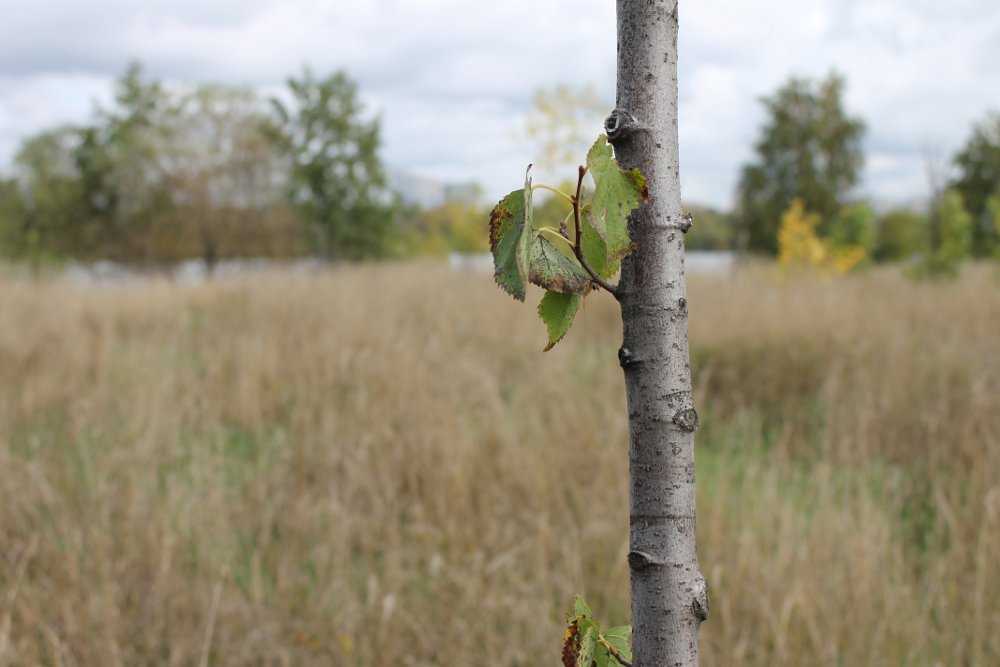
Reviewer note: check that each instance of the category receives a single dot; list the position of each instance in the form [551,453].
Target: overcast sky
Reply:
[452,79]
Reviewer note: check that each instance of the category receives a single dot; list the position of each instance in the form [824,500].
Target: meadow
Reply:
[377,465]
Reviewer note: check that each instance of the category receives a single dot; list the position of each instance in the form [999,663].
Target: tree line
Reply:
[796,198]
[215,172]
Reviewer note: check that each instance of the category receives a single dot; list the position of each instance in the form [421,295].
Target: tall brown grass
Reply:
[378,466]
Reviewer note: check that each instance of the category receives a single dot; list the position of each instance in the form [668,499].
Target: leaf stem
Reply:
[578,242]
[541,186]
[613,651]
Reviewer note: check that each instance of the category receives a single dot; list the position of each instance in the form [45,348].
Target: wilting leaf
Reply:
[551,269]
[588,643]
[557,311]
[510,240]
[571,643]
[506,231]
[563,244]
[580,607]
[616,194]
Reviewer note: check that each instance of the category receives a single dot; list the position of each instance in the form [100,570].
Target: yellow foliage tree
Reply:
[800,247]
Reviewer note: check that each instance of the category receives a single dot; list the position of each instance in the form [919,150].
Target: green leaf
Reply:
[588,644]
[551,269]
[594,249]
[619,638]
[616,194]
[602,658]
[506,231]
[557,311]
[581,608]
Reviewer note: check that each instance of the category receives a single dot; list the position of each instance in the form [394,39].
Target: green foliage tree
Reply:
[450,227]
[854,225]
[51,195]
[336,178]
[809,149]
[220,171]
[121,169]
[993,213]
[978,179]
[11,216]
[951,235]
[157,177]
[92,191]
[711,229]
[902,234]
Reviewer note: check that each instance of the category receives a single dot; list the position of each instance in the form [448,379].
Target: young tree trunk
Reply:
[669,599]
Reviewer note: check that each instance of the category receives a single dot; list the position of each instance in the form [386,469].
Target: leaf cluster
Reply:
[587,645]
[567,261]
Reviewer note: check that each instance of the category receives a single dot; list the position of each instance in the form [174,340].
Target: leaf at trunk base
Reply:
[557,311]
[616,193]
[588,643]
[551,269]
[571,643]
[506,231]
[619,638]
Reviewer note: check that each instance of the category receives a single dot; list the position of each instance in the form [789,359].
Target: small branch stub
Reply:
[625,357]
[686,222]
[622,126]
[640,560]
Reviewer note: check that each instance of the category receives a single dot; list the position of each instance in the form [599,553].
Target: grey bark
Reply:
[669,599]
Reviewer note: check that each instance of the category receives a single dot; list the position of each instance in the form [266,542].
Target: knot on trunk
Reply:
[622,126]
[640,560]
[687,419]
[699,605]
[686,221]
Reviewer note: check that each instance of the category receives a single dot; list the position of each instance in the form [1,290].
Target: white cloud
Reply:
[451,78]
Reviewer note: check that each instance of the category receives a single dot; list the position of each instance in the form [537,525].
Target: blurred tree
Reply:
[52,197]
[222,175]
[158,177]
[129,185]
[978,179]
[800,246]
[710,230]
[950,236]
[336,180]
[563,123]
[902,234]
[119,170]
[852,226]
[993,212]
[809,149]
[11,216]
[450,227]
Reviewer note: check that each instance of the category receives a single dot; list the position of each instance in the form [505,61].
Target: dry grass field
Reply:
[379,466]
